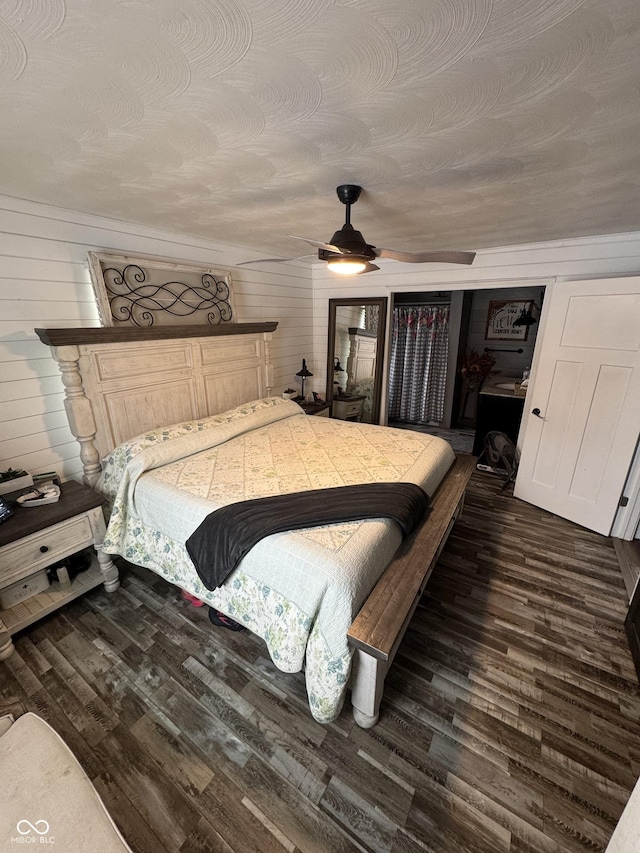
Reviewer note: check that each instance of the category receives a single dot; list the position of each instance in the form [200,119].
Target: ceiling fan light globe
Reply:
[347,265]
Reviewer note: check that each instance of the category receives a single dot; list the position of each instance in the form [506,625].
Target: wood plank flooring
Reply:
[510,722]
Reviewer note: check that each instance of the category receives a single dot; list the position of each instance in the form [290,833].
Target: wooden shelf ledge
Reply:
[125,334]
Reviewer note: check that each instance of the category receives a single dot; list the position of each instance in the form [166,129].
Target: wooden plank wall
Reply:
[44,281]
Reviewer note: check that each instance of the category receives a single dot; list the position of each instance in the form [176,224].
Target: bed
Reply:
[157,410]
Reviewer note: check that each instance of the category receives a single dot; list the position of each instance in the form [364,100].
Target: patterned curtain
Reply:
[419,351]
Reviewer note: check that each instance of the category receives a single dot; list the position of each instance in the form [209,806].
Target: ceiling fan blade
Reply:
[328,247]
[273,260]
[426,257]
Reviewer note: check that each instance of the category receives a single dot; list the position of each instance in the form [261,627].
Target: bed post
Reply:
[351,360]
[268,367]
[83,427]
[79,411]
[108,569]
[367,684]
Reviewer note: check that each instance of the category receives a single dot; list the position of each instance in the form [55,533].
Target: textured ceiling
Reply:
[469,123]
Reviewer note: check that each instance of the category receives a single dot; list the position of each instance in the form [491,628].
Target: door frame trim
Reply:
[627,519]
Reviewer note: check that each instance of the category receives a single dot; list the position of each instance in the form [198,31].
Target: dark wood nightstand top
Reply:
[75,498]
[314,408]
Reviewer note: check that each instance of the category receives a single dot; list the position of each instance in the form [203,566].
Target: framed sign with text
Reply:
[500,319]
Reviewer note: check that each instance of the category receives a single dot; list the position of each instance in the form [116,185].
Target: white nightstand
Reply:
[35,538]
[347,408]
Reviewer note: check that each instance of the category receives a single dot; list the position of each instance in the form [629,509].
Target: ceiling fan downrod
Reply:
[348,195]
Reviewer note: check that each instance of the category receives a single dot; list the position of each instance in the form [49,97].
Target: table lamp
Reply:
[304,373]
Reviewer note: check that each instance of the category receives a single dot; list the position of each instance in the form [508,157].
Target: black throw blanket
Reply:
[228,534]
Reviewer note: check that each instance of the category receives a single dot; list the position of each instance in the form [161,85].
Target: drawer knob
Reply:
[44,549]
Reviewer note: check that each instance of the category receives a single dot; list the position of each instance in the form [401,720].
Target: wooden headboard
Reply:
[122,381]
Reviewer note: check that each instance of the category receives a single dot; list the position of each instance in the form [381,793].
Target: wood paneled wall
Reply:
[44,281]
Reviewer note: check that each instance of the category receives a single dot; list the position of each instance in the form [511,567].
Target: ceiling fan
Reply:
[348,253]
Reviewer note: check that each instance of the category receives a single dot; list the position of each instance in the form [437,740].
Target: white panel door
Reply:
[582,417]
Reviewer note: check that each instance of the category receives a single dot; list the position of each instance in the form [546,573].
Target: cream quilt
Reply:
[301,590]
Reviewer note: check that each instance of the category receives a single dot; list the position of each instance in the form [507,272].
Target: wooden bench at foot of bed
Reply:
[379,627]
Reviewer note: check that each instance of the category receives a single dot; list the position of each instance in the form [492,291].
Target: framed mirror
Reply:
[355,357]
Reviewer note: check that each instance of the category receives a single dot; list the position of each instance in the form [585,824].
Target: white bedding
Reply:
[301,590]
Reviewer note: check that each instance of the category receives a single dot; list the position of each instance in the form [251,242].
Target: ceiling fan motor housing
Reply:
[351,241]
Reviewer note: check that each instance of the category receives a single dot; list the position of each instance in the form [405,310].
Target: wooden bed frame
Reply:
[122,381]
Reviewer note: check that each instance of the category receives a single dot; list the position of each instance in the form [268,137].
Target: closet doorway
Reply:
[419,359]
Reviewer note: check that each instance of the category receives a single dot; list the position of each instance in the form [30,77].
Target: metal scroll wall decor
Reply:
[147,292]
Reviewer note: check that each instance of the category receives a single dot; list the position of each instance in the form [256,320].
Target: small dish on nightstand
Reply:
[37,497]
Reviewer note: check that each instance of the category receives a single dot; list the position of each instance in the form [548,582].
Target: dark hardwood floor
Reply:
[510,722]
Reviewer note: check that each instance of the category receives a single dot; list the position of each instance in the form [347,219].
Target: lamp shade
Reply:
[525,319]
[304,372]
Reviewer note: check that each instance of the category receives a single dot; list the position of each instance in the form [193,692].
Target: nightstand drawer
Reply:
[351,409]
[348,409]
[24,557]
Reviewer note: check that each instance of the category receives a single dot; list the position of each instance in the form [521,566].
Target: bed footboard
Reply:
[379,627]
